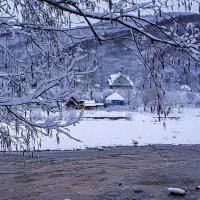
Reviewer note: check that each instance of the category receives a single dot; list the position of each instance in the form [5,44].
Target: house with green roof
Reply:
[119,80]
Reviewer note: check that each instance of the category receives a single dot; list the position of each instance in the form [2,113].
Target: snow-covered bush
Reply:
[129,116]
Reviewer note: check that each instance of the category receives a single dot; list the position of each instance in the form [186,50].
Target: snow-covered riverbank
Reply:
[143,129]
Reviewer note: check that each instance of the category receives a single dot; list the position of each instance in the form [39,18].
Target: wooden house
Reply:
[72,103]
[119,80]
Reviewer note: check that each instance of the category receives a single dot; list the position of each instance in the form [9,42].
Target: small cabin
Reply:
[119,80]
[72,103]
[115,99]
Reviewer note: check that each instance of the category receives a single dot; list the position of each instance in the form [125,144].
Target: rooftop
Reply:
[114,77]
[115,96]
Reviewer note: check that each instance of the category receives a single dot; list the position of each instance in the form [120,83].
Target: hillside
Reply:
[119,53]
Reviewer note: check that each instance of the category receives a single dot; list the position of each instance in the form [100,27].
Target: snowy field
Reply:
[142,129]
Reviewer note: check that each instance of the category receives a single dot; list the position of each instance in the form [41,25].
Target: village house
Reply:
[115,99]
[83,104]
[119,80]
[72,102]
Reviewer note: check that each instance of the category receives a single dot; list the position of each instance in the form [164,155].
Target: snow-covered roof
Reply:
[97,85]
[89,103]
[3,75]
[79,78]
[100,104]
[74,100]
[115,96]
[114,77]
[185,88]
[92,103]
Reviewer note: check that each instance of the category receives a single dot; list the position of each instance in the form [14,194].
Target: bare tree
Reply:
[39,55]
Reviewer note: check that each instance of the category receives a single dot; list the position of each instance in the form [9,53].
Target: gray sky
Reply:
[194,8]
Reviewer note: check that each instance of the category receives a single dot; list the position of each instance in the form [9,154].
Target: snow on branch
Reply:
[41,57]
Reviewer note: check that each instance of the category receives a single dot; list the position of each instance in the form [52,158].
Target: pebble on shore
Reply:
[177,191]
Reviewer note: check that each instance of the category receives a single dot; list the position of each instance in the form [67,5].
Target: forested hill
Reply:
[119,53]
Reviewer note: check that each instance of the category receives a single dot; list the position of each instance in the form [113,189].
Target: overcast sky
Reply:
[194,8]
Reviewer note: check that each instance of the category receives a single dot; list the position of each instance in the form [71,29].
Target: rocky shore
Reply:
[117,173]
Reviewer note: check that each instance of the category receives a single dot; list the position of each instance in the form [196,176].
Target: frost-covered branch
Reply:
[41,56]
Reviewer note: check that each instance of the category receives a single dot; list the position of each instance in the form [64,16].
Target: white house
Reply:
[115,99]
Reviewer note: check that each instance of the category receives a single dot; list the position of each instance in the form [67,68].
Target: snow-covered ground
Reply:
[143,129]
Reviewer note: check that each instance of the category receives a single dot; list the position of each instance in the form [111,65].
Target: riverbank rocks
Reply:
[177,191]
